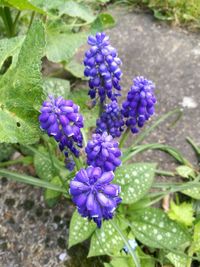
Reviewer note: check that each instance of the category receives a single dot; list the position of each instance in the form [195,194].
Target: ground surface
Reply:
[31,235]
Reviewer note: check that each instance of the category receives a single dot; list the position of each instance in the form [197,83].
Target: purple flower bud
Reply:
[139,105]
[94,195]
[102,151]
[102,67]
[60,119]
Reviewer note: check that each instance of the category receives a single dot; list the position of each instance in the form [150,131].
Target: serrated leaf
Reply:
[75,68]
[52,196]
[135,180]
[63,46]
[80,229]
[10,48]
[182,213]
[80,97]
[177,260]
[106,241]
[153,228]
[185,171]
[74,9]
[102,22]
[43,166]
[22,5]
[56,87]
[194,192]
[21,91]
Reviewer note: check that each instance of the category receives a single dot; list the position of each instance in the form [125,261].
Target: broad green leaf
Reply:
[80,229]
[74,9]
[52,196]
[135,180]
[56,87]
[62,46]
[43,166]
[21,5]
[30,180]
[6,150]
[106,241]
[177,260]
[10,48]
[193,192]
[102,22]
[196,238]
[185,171]
[75,69]
[121,262]
[182,213]
[21,92]
[80,97]
[153,228]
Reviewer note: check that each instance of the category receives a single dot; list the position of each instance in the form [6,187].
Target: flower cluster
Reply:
[102,67]
[111,120]
[60,118]
[102,151]
[139,105]
[94,195]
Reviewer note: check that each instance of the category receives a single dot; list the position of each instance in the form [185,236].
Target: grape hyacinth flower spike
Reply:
[103,151]
[102,67]
[139,105]
[94,194]
[60,118]
[111,120]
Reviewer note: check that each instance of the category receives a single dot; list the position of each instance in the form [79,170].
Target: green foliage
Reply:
[103,21]
[185,171]
[6,150]
[194,192]
[80,229]
[106,240]
[196,238]
[153,228]
[56,87]
[177,260]
[75,68]
[51,196]
[135,180]
[182,213]
[21,91]
[21,5]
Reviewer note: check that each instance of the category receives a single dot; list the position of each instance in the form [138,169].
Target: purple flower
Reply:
[139,105]
[60,118]
[102,68]
[111,120]
[94,195]
[102,151]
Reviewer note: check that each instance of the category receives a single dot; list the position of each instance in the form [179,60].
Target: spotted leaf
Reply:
[80,229]
[135,180]
[153,228]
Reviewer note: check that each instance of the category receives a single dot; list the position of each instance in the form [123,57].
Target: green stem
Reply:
[100,108]
[124,137]
[31,20]
[7,19]
[13,162]
[15,22]
[84,137]
[133,255]
[164,173]
[77,162]
[190,254]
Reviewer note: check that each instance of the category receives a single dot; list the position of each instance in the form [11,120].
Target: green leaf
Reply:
[102,22]
[75,69]
[153,228]
[185,171]
[80,97]
[74,9]
[21,5]
[80,229]
[106,241]
[21,92]
[196,238]
[135,180]
[177,260]
[121,262]
[56,87]
[194,192]
[62,46]
[182,213]
[10,48]
[52,196]
[30,180]
[43,166]
[6,150]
